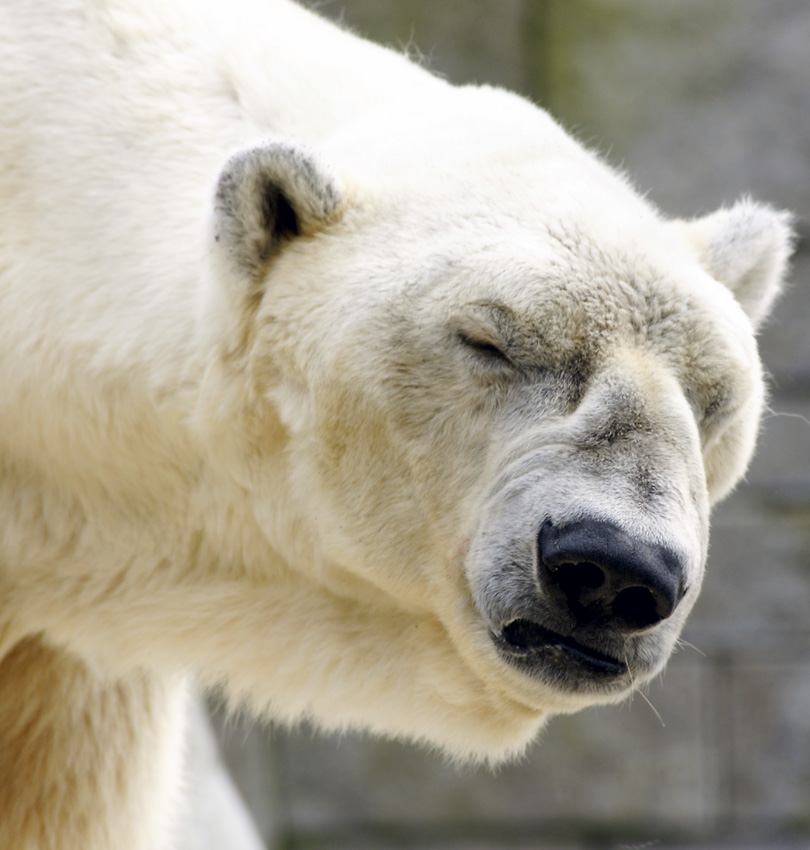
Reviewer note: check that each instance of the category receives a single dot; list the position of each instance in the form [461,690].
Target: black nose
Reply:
[604,577]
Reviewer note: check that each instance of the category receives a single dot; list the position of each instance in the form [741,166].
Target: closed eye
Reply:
[484,347]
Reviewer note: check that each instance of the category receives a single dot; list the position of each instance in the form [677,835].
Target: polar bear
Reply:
[367,398]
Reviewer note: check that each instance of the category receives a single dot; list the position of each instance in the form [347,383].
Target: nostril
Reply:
[636,607]
[587,575]
[576,580]
[598,573]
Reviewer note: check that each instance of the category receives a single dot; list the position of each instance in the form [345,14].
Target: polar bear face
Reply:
[507,391]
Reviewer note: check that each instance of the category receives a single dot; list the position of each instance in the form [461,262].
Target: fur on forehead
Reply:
[531,172]
[405,140]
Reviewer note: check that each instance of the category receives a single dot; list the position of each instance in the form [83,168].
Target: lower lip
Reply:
[595,663]
[542,641]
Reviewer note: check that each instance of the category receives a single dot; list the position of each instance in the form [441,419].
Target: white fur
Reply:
[747,248]
[266,458]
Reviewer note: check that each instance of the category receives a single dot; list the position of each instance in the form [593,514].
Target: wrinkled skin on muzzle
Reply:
[591,546]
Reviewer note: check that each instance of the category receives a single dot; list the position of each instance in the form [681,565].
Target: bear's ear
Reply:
[265,196]
[747,248]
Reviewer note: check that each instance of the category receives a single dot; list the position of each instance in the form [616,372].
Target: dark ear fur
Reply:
[266,195]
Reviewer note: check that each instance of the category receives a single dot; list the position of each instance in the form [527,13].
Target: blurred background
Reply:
[701,101]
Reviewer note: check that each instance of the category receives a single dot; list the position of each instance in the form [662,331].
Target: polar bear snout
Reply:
[596,610]
[598,575]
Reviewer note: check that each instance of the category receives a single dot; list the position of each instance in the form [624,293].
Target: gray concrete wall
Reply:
[701,100]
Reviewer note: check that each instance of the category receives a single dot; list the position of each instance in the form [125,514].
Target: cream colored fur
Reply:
[241,432]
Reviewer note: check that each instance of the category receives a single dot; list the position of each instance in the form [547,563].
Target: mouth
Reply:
[533,645]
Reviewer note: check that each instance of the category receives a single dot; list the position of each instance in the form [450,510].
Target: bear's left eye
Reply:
[484,347]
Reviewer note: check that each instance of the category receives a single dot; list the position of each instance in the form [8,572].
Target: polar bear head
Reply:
[484,386]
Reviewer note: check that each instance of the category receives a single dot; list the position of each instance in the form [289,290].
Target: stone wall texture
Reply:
[701,101]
